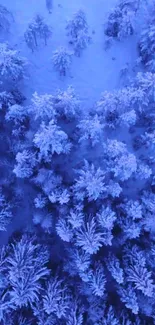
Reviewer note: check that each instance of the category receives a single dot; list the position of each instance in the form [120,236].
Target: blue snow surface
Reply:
[77,162]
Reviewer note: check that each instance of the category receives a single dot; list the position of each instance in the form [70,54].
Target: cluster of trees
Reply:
[36,32]
[77,30]
[147,43]
[89,255]
[122,18]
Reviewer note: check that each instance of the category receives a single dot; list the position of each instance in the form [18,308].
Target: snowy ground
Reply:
[95,71]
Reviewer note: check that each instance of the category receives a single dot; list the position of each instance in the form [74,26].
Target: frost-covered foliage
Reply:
[77,24]
[42,107]
[5,212]
[147,43]
[115,269]
[55,299]
[87,196]
[90,183]
[62,59]
[26,266]
[51,185]
[120,162]
[64,230]
[67,104]
[96,280]
[77,30]
[12,65]
[81,42]
[62,104]
[89,237]
[121,20]
[51,139]
[22,267]
[26,161]
[16,113]
[106,219]
[37,32]
[91,129]
[129,298]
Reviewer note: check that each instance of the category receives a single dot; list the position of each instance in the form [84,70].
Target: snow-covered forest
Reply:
[77,162]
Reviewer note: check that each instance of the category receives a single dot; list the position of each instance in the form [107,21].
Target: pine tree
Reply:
[77,24]
[64,230]
[120,162]
[81,42]
[16,113]
[75,218]
[97,280]
[109,318]
[91,128]
[62,60]
[147,45]
[26,266]
[89,237]
[141,277]
[121,21]
[106,219]
[128,296]
[67,104]
[133,209]
[143,171]
[12,65]
[90,183]
[42,107]
[37,31]
[26,161]
[55,298]
[128,119]
[51,139]
[113,265]
[75,316]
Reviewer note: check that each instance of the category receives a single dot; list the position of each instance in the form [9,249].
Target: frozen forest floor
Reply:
[95,71]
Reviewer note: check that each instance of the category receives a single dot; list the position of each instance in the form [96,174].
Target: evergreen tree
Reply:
[12,65]
[62,60]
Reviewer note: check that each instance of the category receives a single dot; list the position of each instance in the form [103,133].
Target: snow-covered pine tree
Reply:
[26,267]
[62,59]
[91,129]
[12,65]
[77,30]
[121,20]
[51,139]
[42,107]
[128,296]
[89,237]
[26,161]
[67,104]
[37,31]
[81,42]
[76,24]
[90,183]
